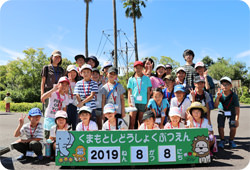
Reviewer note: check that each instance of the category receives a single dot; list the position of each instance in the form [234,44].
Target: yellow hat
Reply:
[197,105]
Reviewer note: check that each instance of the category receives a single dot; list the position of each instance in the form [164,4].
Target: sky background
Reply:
[217,28]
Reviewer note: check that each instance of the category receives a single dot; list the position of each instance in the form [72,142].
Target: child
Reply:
[112,92]
[34,134]
[148,121]
[228,104]
[156,80]
[196,113]
[92,61]
[98,97]
[61,124]
[209,84]
[139,88]
[200,95]
[188,55]
[168,92]
[105,69]
[175,119]
[86,124]
[168,69]
[72,75]
[58,100]
[86,89]
[80,60]
[112,123]
[7,100]
[181,74]
[158,106]
[180,100]
[148,65]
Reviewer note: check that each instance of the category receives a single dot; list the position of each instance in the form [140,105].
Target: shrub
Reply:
[20,107]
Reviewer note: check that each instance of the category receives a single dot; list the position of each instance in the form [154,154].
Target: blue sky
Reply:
[217,28]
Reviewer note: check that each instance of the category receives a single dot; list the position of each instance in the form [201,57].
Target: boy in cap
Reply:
[181,101]
[80,60]
[86,89]
[34,134]
[168,69]
[113,123]
[112,92]
[200,95]
[58,100]
[181,78]
[229,107]
[105,68]
[148,120]
[86,124]
[188,56]
[168,92]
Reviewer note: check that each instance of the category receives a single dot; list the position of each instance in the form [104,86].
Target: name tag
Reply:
[163,114]
[139,98]
[158,120]
[88,104]
[115,93]
[116,106]
[30,153]
[227,113]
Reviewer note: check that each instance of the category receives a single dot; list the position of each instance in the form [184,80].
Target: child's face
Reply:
[95,76]
[80,62]
[179,94]
[168,71]
[181,75]
[64,87]
[196,113]
[105,70]
[188,58]
[112,76]
[72,75]
[160,71]
[86,74]
[200,70]
[91,62]
[109,116]
[138,69]
[175,119]
[157,96]
[85,116]
[169,83]
[34,119]
[199,85]
[60,121]
[149,122]
[226,86]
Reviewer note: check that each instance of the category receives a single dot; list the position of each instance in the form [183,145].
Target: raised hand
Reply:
[192,93]
[205,73]
[21,119]
[219,94]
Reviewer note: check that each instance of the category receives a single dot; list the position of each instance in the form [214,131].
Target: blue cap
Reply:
[35,112]
[179,87]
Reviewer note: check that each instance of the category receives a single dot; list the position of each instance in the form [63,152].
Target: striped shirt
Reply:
[191,73]
[36,132]
[85,91]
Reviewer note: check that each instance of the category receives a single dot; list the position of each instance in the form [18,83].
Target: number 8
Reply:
[167,153]
[139,154]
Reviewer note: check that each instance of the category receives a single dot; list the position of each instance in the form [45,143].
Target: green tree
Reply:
[65,63]
[207,61]
[86,26]
[3,73]
[168,60]
[133,11]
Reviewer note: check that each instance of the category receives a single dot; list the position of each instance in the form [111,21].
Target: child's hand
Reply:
[192,93]
[219,94]
[190,117]
[55,88]
[237,123]
[21,120]
[205,73]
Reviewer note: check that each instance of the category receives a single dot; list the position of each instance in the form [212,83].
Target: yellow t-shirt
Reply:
[7,99]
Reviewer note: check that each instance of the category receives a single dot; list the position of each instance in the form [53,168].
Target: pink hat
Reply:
[199,64]
[138,63]
[63,79]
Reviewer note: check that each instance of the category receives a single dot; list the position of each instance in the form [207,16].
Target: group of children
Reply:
[83,100]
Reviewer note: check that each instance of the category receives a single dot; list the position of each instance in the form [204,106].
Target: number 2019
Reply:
[101,154]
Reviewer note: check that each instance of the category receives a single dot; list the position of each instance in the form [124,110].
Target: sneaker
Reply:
[38,161]
[22,158]
[221,144]
[232,144]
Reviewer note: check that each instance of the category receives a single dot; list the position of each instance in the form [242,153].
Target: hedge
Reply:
[20,107]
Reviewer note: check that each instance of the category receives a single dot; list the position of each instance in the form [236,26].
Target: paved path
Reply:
[226,159]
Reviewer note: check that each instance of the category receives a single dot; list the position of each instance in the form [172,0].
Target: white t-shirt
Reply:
[183,107]
[170,126]
[91,127]
[54,102]
[204,124]
[144,127]
[121,125]
[53,130]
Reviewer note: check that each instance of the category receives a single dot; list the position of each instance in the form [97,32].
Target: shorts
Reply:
[98,112]
[222,118]
[141,107]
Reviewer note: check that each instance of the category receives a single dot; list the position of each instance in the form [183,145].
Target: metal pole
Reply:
[115,34]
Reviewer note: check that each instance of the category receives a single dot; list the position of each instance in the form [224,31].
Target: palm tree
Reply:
[133,11]
[86,27]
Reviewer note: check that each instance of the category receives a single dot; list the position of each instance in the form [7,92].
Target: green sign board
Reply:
[132,147]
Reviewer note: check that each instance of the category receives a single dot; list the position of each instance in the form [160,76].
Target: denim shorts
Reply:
[141,107]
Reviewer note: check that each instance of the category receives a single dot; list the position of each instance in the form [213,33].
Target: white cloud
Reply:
[247,2]
[11,53]
[208,52]
[2,2]
[243,54]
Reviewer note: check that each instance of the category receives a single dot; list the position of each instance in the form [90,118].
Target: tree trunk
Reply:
[135,34]
[86,29]
[115,35]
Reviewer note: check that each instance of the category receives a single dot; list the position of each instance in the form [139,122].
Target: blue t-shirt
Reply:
[143,84]
[84,92]
[158,109]
[166,94]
